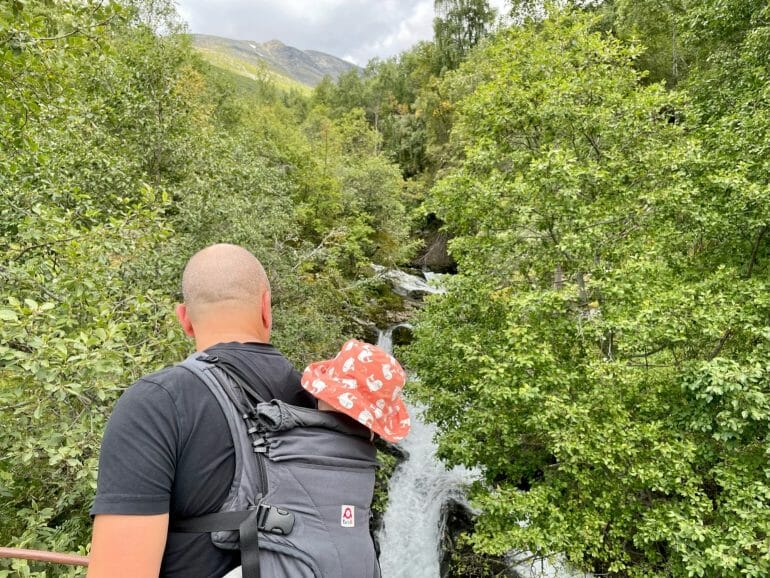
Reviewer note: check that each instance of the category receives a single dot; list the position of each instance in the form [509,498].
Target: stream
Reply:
[410,538]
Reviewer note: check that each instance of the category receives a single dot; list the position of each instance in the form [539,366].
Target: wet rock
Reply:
[402,334]
[458,560]
[407,285]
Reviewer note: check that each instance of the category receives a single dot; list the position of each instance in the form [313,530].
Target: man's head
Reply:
[226,297]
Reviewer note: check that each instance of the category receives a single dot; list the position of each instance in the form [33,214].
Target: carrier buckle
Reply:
[274,519]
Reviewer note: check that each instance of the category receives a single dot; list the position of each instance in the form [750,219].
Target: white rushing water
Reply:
[412,526]
[411,531]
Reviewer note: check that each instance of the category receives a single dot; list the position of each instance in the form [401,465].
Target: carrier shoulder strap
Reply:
[234,406]
[231,392]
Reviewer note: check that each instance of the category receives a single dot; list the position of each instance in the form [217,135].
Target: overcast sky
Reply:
[356,30]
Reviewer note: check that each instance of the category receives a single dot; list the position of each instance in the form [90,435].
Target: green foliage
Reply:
[121,154]
[75,220]
[660,27]
[76,325]
[465,562]
[388,463]
[349,198]
[602,353]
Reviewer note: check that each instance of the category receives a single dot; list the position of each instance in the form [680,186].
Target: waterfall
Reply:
[410,537]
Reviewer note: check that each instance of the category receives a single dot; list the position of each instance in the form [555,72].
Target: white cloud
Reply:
[417,26]
[358,29]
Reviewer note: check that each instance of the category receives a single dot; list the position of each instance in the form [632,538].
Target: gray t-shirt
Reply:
[167,449]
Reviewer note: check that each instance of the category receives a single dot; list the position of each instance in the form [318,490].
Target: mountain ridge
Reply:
[308,67]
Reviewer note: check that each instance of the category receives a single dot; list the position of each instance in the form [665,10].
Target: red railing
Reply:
[43,556]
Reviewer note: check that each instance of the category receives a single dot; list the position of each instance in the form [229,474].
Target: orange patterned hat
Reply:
[364,382]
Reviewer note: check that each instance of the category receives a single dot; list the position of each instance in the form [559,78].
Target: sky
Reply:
[356,30]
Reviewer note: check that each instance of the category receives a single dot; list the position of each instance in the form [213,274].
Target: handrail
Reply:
[44,556]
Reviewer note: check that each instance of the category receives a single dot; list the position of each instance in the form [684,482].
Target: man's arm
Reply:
[127,546]
[136,472]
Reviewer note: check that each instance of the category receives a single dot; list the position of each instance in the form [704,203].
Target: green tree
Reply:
[459,25]
[349,196]
[76,221]
[602,352]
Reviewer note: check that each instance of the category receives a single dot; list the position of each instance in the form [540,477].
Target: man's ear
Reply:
[184,320]
[267,312]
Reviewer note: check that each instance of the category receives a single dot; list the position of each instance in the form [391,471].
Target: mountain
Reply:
[249,58]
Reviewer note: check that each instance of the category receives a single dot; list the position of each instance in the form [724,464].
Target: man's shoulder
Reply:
[174,383]
[251,349]
[262,359]
[266,369]
[172,394]
[169,378]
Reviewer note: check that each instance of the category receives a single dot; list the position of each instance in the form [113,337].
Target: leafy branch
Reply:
[80,29]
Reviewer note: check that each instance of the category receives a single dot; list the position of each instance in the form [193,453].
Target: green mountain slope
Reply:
[285,66]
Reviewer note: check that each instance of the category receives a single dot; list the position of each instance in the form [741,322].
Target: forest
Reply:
[596,173]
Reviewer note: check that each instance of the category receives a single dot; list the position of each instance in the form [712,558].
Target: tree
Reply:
[76,220]
[601,354]
[459,25]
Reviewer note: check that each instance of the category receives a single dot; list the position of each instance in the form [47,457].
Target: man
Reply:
[167,450]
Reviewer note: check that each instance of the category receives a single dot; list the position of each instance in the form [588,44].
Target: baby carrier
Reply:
[299,504]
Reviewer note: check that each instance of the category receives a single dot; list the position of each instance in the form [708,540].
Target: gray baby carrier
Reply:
[299,504]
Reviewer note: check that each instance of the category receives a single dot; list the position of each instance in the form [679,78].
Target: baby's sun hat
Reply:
[364,382]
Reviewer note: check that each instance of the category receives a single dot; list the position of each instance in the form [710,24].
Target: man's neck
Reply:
[206,341]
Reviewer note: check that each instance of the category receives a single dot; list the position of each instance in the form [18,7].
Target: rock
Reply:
[407,285]
[369,331]
[458,560]
[402,334]
[436,256]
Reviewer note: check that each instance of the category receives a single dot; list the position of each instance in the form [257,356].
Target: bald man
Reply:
[167,450]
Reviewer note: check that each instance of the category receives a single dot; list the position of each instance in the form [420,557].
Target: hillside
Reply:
[253,59]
